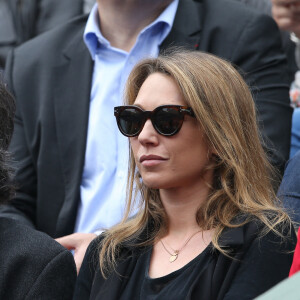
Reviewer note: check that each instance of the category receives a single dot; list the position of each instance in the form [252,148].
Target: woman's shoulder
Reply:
[252,229]
[262,258]
[126,250]
[93,250]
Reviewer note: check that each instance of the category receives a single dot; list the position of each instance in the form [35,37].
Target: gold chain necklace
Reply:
[175,253]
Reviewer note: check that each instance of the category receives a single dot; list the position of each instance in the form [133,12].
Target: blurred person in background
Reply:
[33,265]
[287,15]
[265,6]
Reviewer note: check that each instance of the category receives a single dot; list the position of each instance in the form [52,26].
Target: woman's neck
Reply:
[181,206]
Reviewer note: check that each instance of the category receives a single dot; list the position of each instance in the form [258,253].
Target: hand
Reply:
[79,243]
[287,15]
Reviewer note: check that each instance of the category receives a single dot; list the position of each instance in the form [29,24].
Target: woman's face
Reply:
[168,162]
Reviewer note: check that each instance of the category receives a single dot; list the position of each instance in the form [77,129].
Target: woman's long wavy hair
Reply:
[7,111]
[225,110]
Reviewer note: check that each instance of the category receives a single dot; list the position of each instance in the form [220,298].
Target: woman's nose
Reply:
[148,135]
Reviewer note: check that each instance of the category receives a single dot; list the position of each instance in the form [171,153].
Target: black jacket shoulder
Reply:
[33,265]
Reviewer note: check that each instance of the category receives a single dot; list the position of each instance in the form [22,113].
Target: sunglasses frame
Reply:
[147,114]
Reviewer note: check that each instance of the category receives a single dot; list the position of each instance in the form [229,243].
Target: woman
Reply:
[33,265]
[208,224]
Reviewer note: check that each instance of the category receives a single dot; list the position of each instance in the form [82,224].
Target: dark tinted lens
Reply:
[168,120]
[131,121]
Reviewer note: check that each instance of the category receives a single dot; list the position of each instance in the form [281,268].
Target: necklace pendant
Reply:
[173,257]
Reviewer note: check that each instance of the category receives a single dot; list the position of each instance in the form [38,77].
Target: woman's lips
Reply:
[151,160]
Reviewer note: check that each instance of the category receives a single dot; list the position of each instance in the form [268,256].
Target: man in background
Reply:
[265,6]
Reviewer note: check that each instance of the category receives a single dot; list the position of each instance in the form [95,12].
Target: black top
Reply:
[256,264]
[175,285]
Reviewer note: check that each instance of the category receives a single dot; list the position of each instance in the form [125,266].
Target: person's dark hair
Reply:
[7,112]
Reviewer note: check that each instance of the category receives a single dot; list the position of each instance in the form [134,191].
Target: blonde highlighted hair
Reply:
[225,110]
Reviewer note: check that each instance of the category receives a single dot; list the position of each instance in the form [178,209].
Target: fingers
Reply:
[69,241]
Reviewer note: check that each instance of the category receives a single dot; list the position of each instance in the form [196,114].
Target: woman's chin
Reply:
[156,184]
[152,185]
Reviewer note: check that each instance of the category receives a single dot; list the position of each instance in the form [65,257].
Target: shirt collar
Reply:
[166,17]
[93,37]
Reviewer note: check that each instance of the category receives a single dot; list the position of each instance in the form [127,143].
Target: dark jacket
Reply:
[256,264]
[23,20]
[33,265]
[51,75]
[289,47]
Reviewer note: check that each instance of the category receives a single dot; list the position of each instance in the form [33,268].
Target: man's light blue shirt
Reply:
[103,186]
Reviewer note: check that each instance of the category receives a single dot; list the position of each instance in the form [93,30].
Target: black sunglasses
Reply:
[166,119]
